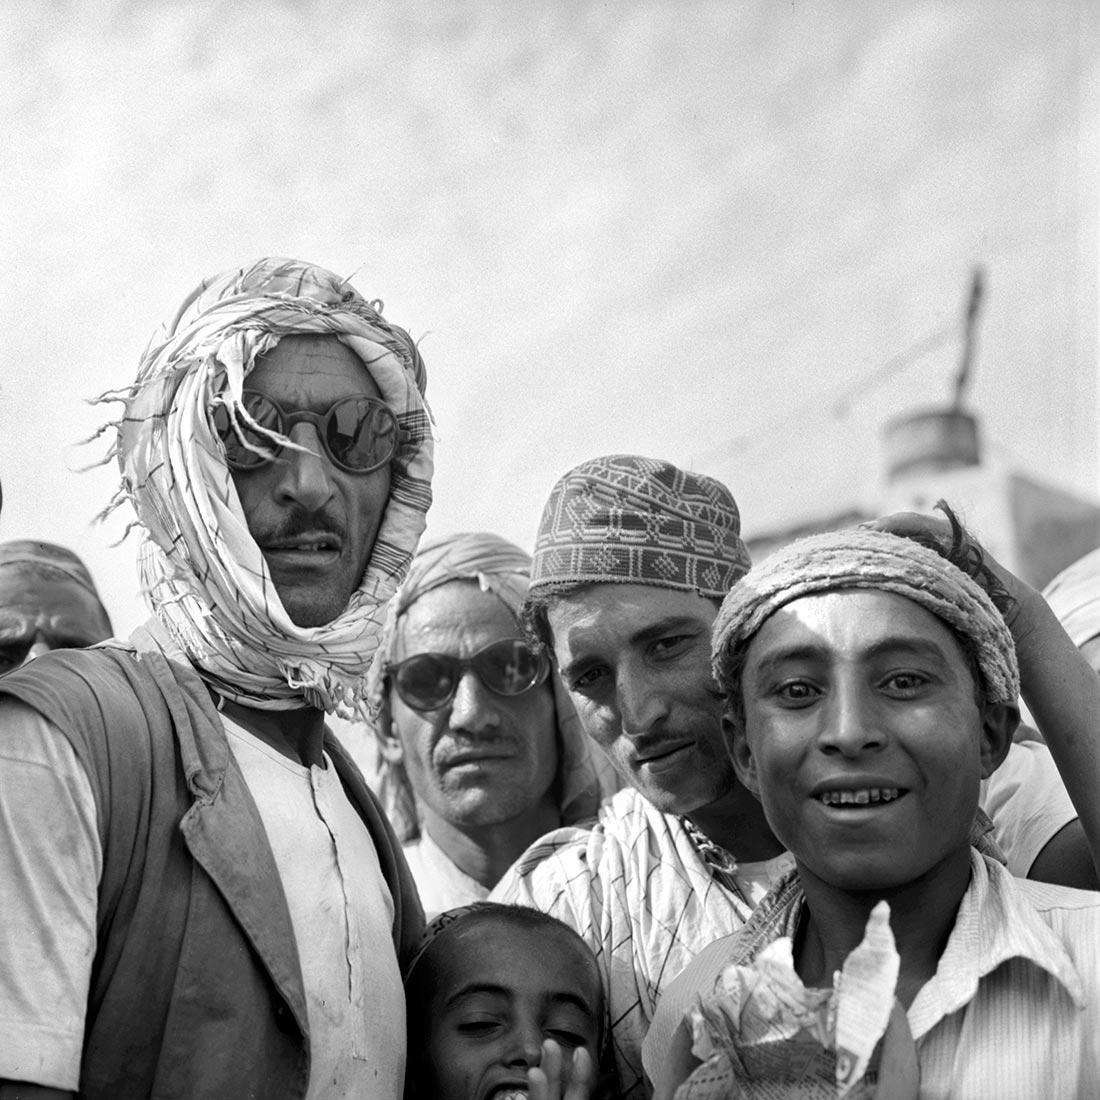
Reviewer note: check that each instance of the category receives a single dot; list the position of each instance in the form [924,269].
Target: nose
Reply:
[472,708]
[641,705]
[851,724]
[305,477]
[524,1045]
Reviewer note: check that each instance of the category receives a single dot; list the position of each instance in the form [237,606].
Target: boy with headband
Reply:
[870,686]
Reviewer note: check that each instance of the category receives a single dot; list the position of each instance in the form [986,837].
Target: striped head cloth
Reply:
[498,566]
[1074,596]
[624,519]
[202,573]
[866,559]
[44,557]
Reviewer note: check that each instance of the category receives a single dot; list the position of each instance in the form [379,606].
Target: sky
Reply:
[711,232]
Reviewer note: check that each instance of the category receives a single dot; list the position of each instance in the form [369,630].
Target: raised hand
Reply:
[551,1076]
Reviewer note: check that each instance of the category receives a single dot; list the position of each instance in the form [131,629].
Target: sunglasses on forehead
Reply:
[359,434]
[427,681]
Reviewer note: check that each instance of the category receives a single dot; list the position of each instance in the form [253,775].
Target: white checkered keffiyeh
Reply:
[202,573]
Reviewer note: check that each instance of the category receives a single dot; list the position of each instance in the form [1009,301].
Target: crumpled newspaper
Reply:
[763,1034]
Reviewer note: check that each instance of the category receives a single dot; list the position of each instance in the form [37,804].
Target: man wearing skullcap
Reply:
[481,751]
[201,897]
[632,558]
[1074,596]
[48,600]
[871,685]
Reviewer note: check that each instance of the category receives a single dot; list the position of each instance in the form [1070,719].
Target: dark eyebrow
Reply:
[672,623]
[474,988]
[901,644]
[565,997]
[650,633]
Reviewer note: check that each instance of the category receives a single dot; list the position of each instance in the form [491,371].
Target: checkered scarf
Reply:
[866,559]
[202,574]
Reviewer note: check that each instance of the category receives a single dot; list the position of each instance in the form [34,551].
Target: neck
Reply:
[736,822]
[297,734]
[485,852]
[922,915]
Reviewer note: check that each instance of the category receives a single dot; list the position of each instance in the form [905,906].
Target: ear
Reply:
[999,722]
[737,745]
[389,744]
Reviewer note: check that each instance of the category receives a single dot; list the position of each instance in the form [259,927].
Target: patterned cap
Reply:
[624,519]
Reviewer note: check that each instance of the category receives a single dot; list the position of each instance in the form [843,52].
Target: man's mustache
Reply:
[301,522]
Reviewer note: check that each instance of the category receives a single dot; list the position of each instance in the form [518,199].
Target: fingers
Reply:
[583,1077]
[908,523]
[545,1081]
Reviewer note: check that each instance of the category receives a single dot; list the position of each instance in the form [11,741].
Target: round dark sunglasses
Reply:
[359,434]
[427,681]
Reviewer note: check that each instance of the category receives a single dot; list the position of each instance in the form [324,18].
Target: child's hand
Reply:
[546,1079]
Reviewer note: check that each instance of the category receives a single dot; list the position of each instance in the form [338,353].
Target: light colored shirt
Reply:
[441,883]
[644,898]
[341,909]
[47,904]
[1027,801]
[50,866]
[1012,1012]
[640,894]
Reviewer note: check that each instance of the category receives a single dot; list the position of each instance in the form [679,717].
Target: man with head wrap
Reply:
[871,684]
[481,749]
[631,561]
[201,897]
[47,601]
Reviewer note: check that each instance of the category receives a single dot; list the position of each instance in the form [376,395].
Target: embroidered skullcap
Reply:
[632,520]
[875,560]
[202,573]
[584,777]
[1074,596]
[37,556]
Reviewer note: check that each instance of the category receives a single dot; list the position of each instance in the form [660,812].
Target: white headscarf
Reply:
[585,775]
[202,573]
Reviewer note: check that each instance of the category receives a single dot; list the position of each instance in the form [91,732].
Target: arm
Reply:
[1066,859]
[1063,693]
[50,863]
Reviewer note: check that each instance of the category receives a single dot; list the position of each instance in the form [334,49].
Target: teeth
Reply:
[869,796]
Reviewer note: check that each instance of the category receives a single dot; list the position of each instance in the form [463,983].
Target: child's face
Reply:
[500,991]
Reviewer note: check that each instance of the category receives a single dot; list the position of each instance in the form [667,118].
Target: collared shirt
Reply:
[642,896]
[340,908]
[646,899]
[1012,1012]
